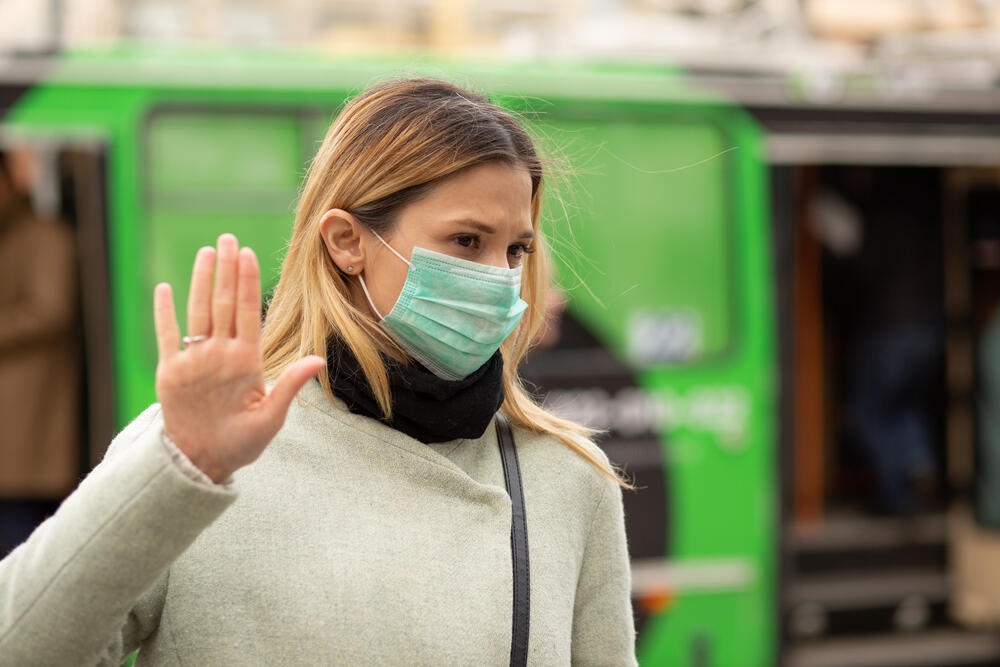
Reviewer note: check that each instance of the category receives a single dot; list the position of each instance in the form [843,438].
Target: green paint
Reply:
[650,217]
[668,228]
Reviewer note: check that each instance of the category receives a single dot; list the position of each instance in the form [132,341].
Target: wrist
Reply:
[197,465]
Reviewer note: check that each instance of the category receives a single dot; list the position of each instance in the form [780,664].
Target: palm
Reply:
[214,402]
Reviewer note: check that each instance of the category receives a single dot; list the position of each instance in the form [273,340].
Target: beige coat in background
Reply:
[40,427]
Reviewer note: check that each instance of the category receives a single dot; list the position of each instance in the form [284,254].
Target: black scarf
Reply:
[424,406]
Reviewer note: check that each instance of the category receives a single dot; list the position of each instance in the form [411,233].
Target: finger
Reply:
[224,294]
[248,296]
[168,336]
[289,384]
[199,308]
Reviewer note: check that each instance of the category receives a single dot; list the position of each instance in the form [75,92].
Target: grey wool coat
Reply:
[346,542]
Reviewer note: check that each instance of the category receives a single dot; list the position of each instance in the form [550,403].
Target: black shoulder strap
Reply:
[518,543]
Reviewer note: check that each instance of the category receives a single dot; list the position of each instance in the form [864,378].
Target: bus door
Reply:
[890,232]
[63,178]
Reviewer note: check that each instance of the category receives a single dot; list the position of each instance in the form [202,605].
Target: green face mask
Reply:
[452,314]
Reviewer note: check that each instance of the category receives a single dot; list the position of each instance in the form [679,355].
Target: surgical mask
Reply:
[452,314]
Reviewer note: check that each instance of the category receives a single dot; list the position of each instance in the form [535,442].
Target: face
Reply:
[482,214]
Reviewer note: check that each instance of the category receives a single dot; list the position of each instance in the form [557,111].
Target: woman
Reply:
[368,521]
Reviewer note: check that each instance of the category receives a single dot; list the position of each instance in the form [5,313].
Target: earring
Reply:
[350,269]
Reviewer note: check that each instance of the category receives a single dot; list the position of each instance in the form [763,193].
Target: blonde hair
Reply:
[386,148]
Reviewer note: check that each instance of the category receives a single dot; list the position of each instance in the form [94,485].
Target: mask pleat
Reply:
[470,342]
[486,312]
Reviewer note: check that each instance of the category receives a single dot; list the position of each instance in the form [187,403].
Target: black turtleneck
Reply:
[424,406]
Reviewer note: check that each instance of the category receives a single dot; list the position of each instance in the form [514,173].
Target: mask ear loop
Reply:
[369,296]
[389,247]
[362,278]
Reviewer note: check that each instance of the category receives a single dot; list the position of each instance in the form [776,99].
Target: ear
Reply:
[341,233]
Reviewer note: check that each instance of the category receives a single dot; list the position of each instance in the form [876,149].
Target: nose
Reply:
[498,259]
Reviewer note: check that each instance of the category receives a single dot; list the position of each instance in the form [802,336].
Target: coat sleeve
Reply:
[603,625]
[88,585]
[47,288]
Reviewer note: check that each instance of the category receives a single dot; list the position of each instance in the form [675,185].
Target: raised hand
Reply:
[215,405]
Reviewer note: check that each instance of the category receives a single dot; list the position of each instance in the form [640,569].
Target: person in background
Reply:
[884,299]
[983,206]
[39,363]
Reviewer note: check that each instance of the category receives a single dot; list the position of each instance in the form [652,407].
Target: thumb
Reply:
[290,382]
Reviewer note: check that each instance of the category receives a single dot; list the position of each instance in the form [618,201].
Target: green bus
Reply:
[663,241]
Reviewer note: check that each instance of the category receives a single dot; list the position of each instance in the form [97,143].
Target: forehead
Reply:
[494,192]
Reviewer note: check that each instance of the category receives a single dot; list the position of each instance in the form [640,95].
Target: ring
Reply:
[188,340]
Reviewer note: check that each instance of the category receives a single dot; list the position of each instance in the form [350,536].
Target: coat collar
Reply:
[312,396]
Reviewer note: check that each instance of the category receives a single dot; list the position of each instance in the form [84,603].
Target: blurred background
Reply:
[778,254]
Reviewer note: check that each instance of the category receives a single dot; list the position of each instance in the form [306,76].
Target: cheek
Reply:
[386,282]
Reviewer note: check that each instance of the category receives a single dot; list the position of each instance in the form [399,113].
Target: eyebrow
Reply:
[475,224]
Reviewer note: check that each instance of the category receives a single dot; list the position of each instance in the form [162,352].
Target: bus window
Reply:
[214,171]
[651,234]
[223,160]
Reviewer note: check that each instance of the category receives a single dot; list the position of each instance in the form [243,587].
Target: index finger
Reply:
[248,296]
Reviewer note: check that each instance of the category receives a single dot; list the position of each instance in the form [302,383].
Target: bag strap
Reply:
[518,542]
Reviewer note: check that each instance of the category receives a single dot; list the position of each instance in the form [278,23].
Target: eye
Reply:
[467,240]
[518,250]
